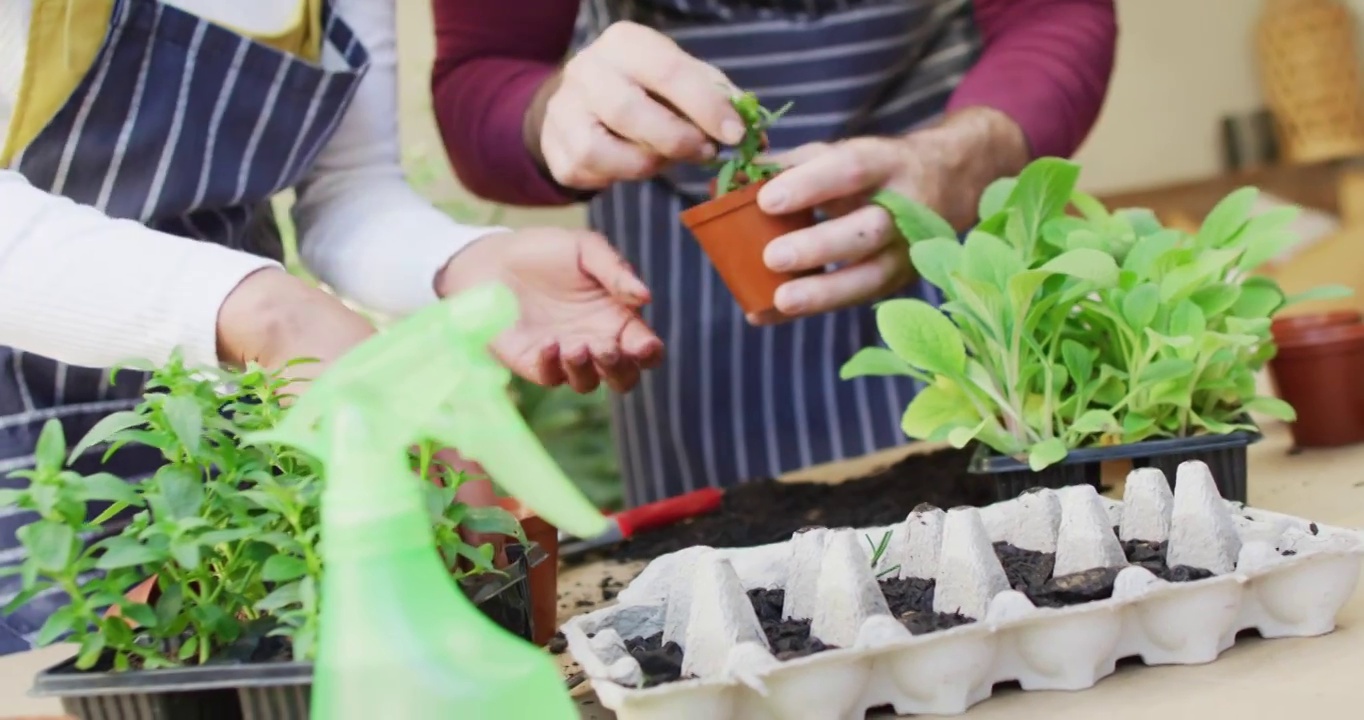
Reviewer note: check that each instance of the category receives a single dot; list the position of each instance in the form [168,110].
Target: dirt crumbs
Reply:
[788,638]
[557,644]
[766,511]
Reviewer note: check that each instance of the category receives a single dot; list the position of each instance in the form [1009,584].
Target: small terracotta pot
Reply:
[734,233]
[544,578]
[1290,325]
[1320,372]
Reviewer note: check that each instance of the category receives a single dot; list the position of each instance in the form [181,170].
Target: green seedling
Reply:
[743,167]
[1066,325]
[878,550]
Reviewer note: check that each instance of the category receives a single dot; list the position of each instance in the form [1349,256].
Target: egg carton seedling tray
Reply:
[1049,589]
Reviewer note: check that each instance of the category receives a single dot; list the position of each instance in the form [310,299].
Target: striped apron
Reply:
[189,128]
[735,402]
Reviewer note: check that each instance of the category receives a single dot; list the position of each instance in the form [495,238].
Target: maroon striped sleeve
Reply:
[1044,63]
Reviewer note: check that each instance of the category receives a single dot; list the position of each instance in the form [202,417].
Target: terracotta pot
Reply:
[1290,325]
[544,578]
[1320,372]
[734,233]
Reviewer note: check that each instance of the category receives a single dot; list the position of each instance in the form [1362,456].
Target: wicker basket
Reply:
[1309,69]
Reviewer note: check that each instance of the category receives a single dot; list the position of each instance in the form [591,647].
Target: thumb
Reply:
[599,261]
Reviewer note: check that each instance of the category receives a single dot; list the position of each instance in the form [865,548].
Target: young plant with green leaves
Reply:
[743,168]
[228,529]
[1063,331]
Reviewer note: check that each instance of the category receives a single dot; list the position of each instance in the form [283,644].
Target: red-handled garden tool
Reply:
[626,523]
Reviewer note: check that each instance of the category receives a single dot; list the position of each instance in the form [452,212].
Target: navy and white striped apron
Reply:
[189,128]
[734,402]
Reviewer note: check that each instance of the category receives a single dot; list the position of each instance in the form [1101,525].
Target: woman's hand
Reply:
[579,303]
[625,106]
[946,167]
[272,318]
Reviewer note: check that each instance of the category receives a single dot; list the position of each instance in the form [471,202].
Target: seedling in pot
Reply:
[743,167]
[731,228]
[1089,330]
[878,551]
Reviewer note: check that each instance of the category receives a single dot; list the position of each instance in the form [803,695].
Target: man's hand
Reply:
[579,320]
[946,167]
[625,106]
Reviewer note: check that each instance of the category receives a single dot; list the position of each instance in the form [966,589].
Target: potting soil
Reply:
[768,511]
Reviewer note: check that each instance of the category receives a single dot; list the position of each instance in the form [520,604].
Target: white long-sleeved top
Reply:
[80,287]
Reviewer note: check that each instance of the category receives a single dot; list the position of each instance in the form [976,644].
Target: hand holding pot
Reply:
[579,302]
[625,106]
[946,167]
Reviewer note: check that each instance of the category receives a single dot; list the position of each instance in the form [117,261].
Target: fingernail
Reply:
[731,132]
[791,301]
[779,257]
[608,359]
[772,200]
[709,151]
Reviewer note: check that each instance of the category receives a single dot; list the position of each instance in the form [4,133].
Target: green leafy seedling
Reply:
[743,167]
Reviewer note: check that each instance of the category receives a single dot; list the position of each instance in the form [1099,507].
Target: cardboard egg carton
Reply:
[1283,576]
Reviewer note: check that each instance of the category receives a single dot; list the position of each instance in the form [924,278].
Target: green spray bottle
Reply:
[398,639]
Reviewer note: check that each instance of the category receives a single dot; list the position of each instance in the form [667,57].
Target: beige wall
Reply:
[1182,65]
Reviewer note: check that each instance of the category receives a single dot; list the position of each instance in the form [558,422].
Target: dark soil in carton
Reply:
[767,511]
[1030,572]
[911,602]
[789,639]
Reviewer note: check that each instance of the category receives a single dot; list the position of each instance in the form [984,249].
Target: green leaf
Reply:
[996,196]
[1023,286]
[1259,298]
[58,624]
[492,520]
[1324,292]
[283,568]
[1143,221]
[178,493]
[1143,256]
[123,552]
[986,258]
[170,604]
[874,362]
[50,544]
[936,260]
[1187,320]
[922,336]
[1273,407]
[1046,453]
[1093,422]
[282,596]
[1227,217]
[105,429]
[1164,369]
[1140,306]
[1216,299]
[186,420]
[1088,205]
[960,437]
[107,487]
[50,454]
[1210,266]
[92,647]
[1043,191]
[1136,426]
[914,220]
[186,553]
[1079,362]
[1092,265]
[189,648]
[139,613]
[935,410]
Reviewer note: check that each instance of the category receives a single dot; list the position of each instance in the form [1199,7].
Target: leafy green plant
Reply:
[743,168]
[229,530]
[1063,331]
[878,551]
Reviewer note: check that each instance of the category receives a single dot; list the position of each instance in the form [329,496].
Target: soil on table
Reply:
[911,602]
[766,511]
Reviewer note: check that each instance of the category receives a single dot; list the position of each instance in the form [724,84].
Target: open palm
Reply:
[579,321]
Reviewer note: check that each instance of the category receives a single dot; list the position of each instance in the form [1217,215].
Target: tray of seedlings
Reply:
[1048,590]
